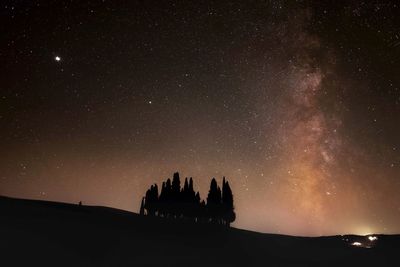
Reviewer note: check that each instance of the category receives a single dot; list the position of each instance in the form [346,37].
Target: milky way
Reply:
[297,104]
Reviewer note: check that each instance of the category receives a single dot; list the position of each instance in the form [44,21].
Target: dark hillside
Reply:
[40,233]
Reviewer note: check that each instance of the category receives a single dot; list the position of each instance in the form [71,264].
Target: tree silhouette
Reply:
[192,202]
[142,207]
[214,202]
[185,201]
[151,200]
[168,198]
[176,202]
[176,184]
[176,196]
[228,213]
[161,201]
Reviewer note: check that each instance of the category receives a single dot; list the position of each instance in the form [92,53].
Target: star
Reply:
[57,58]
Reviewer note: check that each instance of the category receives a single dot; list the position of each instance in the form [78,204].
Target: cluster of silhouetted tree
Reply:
[184,203]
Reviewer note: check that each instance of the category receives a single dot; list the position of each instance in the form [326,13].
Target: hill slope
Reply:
[40,233]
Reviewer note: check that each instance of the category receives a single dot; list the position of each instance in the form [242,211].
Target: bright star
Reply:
[57,58]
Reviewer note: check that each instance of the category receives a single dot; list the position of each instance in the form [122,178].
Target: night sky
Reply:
[297,103]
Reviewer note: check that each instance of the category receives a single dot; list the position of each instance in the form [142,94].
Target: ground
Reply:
[40,233]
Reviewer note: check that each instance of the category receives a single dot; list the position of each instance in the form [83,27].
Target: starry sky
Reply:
[297,103]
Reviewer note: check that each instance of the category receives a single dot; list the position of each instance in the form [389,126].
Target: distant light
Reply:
[364,230]
[372,238]
[57,58]
[357,244]
[150,102]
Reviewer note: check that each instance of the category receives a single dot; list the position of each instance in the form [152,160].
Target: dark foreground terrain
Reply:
[39,233]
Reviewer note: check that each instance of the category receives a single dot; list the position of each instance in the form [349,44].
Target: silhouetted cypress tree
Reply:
[175,195]
[176,184]
[162,193]
[161,201]
[151,200]
[168,198]
[214,202]
[184,199]
[191,185]
[186,186]
[147,202]
[192,206]
[227,203]
[218,208]
[142,207]
[155,199]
